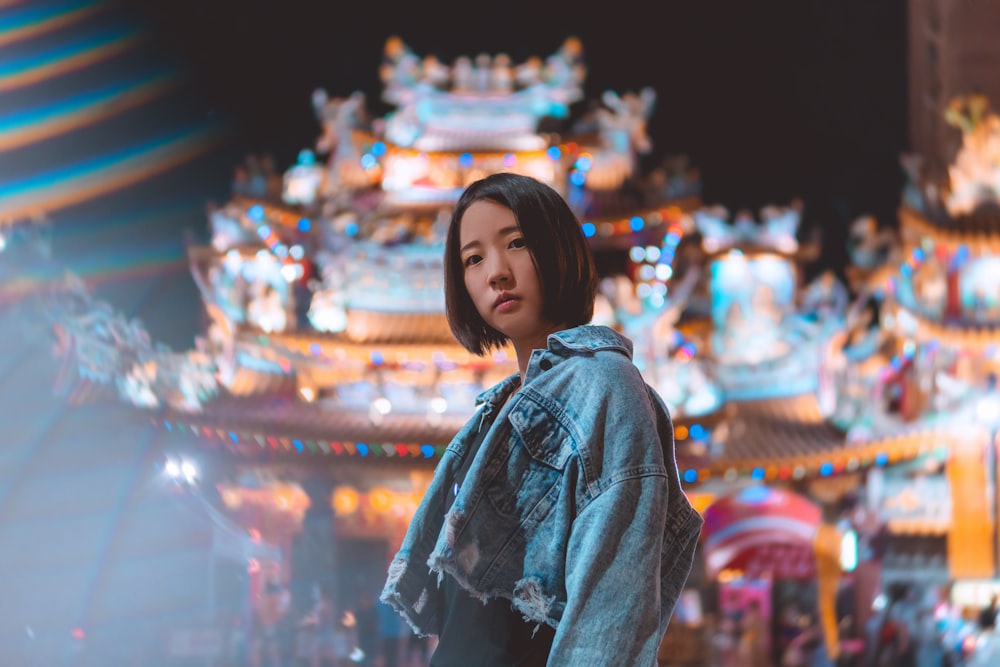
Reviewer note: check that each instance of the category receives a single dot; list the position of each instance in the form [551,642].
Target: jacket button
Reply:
[545,364]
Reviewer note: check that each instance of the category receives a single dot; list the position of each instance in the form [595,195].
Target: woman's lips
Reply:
[505,301]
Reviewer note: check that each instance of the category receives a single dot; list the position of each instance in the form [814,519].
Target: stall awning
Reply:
[762,529]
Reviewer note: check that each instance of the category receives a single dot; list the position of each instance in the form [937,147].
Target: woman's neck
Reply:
[524,348]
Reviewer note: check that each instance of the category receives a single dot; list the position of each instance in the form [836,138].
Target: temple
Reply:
[805,408]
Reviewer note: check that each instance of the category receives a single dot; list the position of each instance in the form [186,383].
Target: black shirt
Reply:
[493,634]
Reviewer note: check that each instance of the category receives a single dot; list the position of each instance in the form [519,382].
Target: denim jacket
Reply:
[572,508]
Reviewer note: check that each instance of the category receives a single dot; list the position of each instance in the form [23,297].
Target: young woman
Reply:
[555,528]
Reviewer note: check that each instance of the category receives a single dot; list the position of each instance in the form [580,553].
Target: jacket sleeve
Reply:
[612,614]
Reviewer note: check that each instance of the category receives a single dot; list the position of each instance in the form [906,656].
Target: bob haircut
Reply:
[562,258]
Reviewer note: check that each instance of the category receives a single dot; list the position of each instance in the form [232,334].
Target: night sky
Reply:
[770,100]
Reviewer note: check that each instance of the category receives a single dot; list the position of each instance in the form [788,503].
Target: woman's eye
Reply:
[472,260]
[518,243]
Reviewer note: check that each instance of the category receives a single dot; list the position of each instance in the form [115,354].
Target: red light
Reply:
[78,633]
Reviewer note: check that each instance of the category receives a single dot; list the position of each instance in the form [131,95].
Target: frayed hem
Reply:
[530,600]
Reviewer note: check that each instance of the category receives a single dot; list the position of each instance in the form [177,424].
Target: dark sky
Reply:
[772,100]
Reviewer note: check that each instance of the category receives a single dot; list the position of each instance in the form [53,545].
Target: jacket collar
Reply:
[584,339]
[589,338]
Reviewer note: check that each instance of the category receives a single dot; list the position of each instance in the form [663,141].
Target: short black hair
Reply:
[552,233]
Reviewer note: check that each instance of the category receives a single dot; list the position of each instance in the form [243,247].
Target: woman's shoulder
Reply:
[609,369]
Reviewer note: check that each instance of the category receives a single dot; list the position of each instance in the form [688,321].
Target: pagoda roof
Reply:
[251,423]
[775,439]
[788,438]
[780,428]
[969,336]
[980,229]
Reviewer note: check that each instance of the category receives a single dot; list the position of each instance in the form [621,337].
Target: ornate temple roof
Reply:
[250,425]
[973,337]
[979,229]
[784,428]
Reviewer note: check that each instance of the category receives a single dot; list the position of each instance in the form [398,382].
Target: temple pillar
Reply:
[953,300]
[314,548]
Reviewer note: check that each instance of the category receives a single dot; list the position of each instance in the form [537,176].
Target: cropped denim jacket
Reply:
[572,508]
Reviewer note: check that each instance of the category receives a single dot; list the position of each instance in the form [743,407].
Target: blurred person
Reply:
[270,617]
[788,628]
[556,513]
[366,616]
[808,648]
[315,645]
[988,616]
[391,630]
[894,644]
[752,646]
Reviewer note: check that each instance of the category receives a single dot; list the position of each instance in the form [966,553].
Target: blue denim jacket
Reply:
[572,508]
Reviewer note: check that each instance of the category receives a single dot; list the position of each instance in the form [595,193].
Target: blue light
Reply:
[754,495]
[351,228]
[636,223]
[362,449]
[582,163]
[588,229]
[881,459]
[577,178]
[315,349]
[673,238]
[427,451]
[757,473]
[826,469]
[377,358]
[918,254]
[697,432]
[465,159]
[378,149]
[554,152]
[263,231]
[306,157]
[167,426]
[304,225]
[690,475]
[233,437]
[298,444]
[368,161]
[256,213]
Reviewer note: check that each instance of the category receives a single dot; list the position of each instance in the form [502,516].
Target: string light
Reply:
[249,443]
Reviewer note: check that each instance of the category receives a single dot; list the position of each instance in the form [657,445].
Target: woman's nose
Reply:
[499,273]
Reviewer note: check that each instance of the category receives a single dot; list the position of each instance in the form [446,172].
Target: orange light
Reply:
[345,500]
[380,500]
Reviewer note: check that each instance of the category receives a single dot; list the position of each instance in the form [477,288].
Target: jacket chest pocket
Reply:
[527,481]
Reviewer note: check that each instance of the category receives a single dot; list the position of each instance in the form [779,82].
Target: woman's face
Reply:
[500,274]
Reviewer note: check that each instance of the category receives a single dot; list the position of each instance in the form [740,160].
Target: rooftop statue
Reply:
[974,175]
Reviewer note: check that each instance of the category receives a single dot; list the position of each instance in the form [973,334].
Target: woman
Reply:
[555,528]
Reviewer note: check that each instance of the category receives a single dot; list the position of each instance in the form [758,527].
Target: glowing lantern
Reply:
[345,500]
[380,500]
[284,496]
[232,498]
